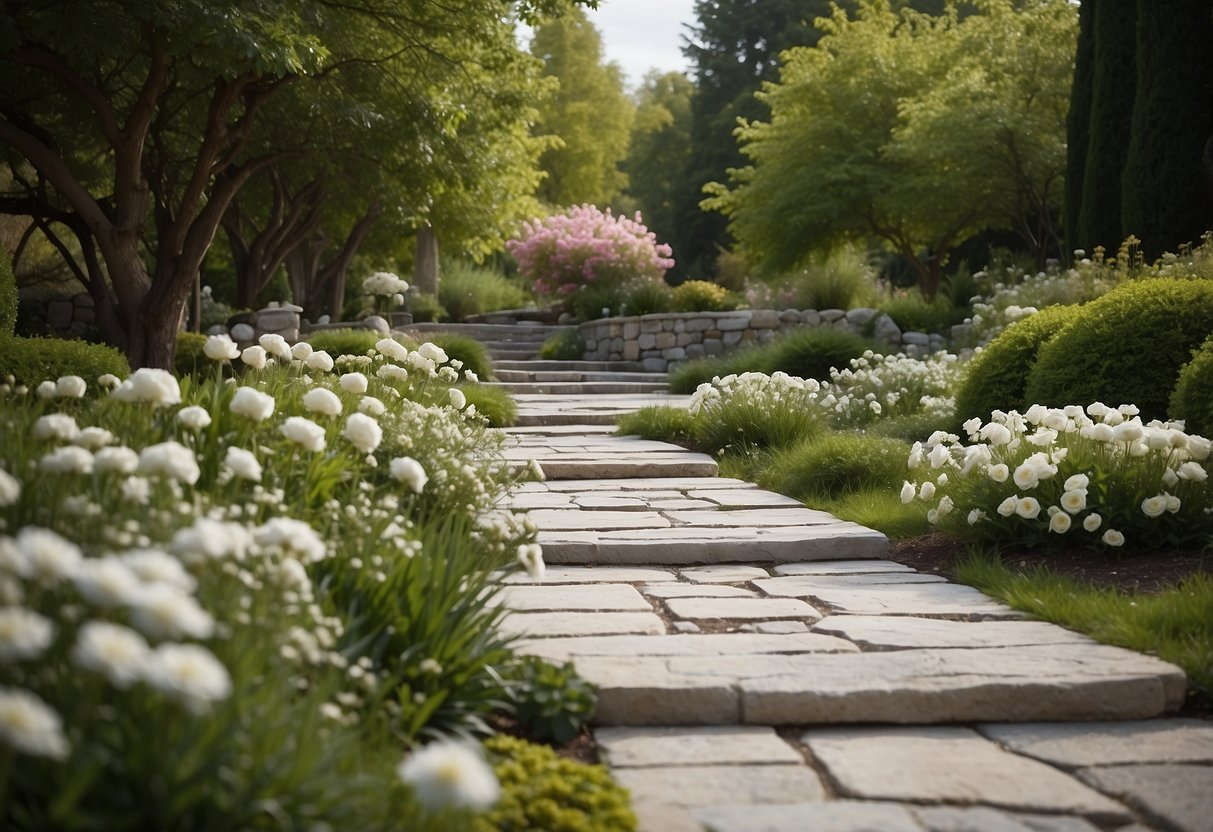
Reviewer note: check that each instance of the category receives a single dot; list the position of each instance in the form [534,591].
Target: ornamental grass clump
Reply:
[1096,478]
[583,246]
[754,411]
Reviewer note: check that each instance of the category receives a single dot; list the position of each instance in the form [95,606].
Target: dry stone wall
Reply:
[663,340]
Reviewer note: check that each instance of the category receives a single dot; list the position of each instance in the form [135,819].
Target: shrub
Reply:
[472,353]
[551,702]
[582,247]
[1192,399]
[809,352]
[466,289]
[645,297]
[189,360]
[912,428]
[913,312]
[997,376]
[669,424]
[753,411]
[598,301]
[1136,338]
[565,346]
[876,387]
[347,341]
[541,790]
[495,404]
[834,464]
[32,361]
[703,296]
[426,309]
[840,280]
[9,297]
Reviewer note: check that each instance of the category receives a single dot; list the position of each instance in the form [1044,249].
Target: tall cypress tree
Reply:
[1165,190]
[1113,80]
[1078,122]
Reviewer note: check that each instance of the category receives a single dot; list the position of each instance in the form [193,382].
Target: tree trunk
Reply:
[425,266]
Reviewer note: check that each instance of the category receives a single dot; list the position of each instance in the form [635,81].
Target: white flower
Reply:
[46,557]
[976,516]
[136,490]
[926,491]
[419,362]
[1092,522]
[305,432]
[156,566]
[995,434]
[1199,448]
[46,390]
[537,472]
[1078,482]
[432,352]
[1193,471]
[450,773]
[169,459]
[243,464]
[292,536]
[1097,410]
[470,376]
[24,634]
[108,380]
[1154,506]
[221,348]
[69,459]
[353,383]
[1113,537]
[118,653]
[29,725]
[908,492]
[276,346]
[390,372]
[1074,501]
[209,539]
[194,417]
[530,555]
[458,400]
[1127,432]
[323,401]
[189,673]
[409,471]
[155,387]
[10,488]
[972,426]
[58,426]
[106,582]
[1173,503]
[319,360]
[162,611]
[391,348]
[254,357]
[301,351]
[1059,522]
[372,406]
[250,402]
[1169,478]
[1027,508]
[999,472]
[363,432]
[1098,432]
[121,460]
[70,387]
[1026,476]
[938,456]
[93,438]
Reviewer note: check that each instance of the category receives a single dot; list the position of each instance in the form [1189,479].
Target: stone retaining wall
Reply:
[663,340]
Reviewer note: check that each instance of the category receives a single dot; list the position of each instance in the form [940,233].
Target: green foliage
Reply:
[702,296]
[551,702]
[834,464]
[1175,624]
[542,791]
[427,308]
[1192,398]
[808,353]
[914,427]
[997,377]
[1099,356]
[8,296]
[493,403]
[1078,129]
[566,346]
[32,361]
[879,509]
[636,297]
[753,412]
[473,354]
[669,424]
[913,312]
[645,297]
[466,290]
[348,341]
[189,360]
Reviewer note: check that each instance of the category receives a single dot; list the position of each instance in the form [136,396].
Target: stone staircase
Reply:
[520,340]
[576,377]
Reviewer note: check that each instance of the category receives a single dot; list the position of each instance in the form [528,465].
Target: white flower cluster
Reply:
[385,285]
[880,386]
[759,390]
[1064,468]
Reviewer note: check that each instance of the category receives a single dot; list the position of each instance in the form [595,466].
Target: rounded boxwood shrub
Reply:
[468,350]
[1192,399]
[32,361]
[543,791]
[1126,347]
[702,296]
[997,376]
[834,464]
[346,341]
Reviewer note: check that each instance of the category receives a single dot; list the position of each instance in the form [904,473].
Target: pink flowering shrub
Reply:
[583,246]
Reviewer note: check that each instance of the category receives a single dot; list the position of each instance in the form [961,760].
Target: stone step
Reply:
[542,365]
[602,457]
[593,388]
[536,410]
[549,376]
[524,332]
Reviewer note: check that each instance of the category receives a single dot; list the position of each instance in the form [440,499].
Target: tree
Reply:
[914,129]
[1166,198]
[1078,122]
[659,148]
[589,114]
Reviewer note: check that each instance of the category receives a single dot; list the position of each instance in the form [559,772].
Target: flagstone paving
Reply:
[763,666]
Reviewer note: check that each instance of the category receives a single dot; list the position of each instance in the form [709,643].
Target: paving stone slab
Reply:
[540,624]
[611,502]
[950,765]
[726,573]
[700,746]
[806,584]
[596,574]
[982,819]
[944,600]
[695,786]
[599,597]
[901,632]
[834,816]
[1176,796]
[742,609]
[680,590]
[654,484]
[752,497]
[840,567]
[648,466]
[645,690]
[659,816]
[1024,684]
[557,520]
[760,517]
[542,499]
[774,627]
[1073,745]
[704,644]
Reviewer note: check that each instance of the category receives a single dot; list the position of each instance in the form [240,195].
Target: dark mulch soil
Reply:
[581,749]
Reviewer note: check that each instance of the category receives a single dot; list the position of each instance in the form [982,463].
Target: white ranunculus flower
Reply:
[305,432]
[56,426]
[137,490]
[1113,538]
[93,438]
[108,381]
[409,471]
[976,516]
[433,352]
[10,488]
[1092,522]
[391,348]
[1173,503]
[926,491]
[276,346]
[119,459]
[301,351]
[1193,471]
[242,463]
[70,387]
[1026,476]
[118,653]
[1059,522]
[159,388]
[1077,482]
[1170,479]
[999,472]
[372,406]
[1028,508]
[1074,501]
[945,506]
[29,725]
[292,536]
[323,401]
[24,634]
[458,400]
[161,611]
[939,456]
[250,402]
[450,774]
[209,539]
[390,372]
[363,432]
[471,376]
[254,357]
[1127,432]
[169,459]
[1154,506]
[45,557]
[995,434]
[190,674]
[157,566]
[106,582]
[221,348]
[1199,448]
[70,459]
[1098,432]
[46,390]
[353,383]
[194,417]
[908,492]
[319,360]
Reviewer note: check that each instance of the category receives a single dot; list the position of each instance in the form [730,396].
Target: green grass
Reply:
[666,424]
[1175,624]
[467,289]
[493,403]
[880,509]
[831,465]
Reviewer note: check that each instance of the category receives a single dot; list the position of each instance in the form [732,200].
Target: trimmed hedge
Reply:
[1127,346]
[997,377]
[1192,399]
[32,361]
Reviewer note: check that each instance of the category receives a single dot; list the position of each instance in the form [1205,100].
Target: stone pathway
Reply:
[763,666]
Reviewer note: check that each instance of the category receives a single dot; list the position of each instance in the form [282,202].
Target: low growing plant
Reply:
[835,464]
[466,289]
[809,352]
[347,341]
[702,296]
[551,702]
[566,346]
[668,424]
[1192,399]
[754,411]
[876,387]
[31,361]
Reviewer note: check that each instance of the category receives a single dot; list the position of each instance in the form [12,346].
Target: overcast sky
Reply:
[643,34]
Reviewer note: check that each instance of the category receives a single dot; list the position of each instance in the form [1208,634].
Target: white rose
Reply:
[353,383]
[1113,537]
[252,403]
[1193,471]
[319,360]
[1059,522]
[301,351]
[999,472]
[908,492]
[926,491]
[1027,508]
[458,400]
[363,432]
[305,432]
[70,387]
[243,464]
[254,357]
[276,346]
[221,348]
[1154,506]
[1092,522]
[194,417]
[323,401]
[1074,501]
